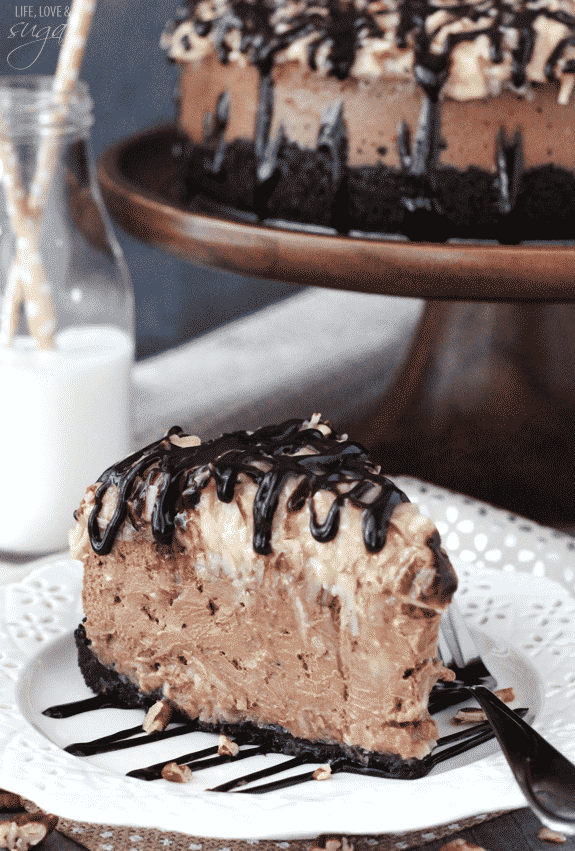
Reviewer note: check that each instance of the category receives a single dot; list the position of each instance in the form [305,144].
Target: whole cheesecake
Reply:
[431,118]
[271,581]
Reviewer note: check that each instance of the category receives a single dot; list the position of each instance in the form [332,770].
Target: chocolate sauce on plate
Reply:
[447,747]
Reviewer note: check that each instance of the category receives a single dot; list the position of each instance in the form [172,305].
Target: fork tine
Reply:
[443,648]
[457,643]
[458,638]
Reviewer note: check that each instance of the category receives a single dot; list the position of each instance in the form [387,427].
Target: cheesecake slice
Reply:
[271,581]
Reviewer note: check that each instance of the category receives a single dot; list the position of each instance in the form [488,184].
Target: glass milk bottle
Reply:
[67,317]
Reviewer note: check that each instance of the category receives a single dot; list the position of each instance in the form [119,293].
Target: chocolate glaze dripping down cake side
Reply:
[274,579]
[472,69]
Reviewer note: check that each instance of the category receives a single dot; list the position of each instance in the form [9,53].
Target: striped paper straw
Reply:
[27,278]
[67,72]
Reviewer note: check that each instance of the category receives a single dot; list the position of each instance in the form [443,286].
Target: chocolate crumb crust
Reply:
[467,202]
[106,681]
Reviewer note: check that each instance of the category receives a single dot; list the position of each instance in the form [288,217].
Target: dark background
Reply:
[132,85]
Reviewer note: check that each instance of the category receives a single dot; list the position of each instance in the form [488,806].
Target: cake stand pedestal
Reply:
[485,402]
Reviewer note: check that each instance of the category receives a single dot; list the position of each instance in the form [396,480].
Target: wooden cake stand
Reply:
[485,402]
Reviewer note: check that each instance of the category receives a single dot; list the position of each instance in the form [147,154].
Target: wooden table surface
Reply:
[192,385]
[514,831]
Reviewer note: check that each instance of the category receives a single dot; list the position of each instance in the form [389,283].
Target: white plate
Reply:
[516,586]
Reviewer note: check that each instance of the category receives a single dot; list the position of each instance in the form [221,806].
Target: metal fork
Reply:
[545,776]
[457,651]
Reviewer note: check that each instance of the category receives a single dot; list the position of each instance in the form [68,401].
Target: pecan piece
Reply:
[507,695]
[473,715]
[157,717]
[322,773]
[551,835]
[177,773]
[333,843]
[469,715]
[24,831]
[226,747]
[461,844]
[9,801]
[185,441]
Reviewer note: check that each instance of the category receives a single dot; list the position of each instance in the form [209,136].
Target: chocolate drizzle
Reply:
[214,133]
[332,138]
[420,161]
[269,457]
[266,147]
[264,115]
[509,158]
[557,53]
[269,161]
